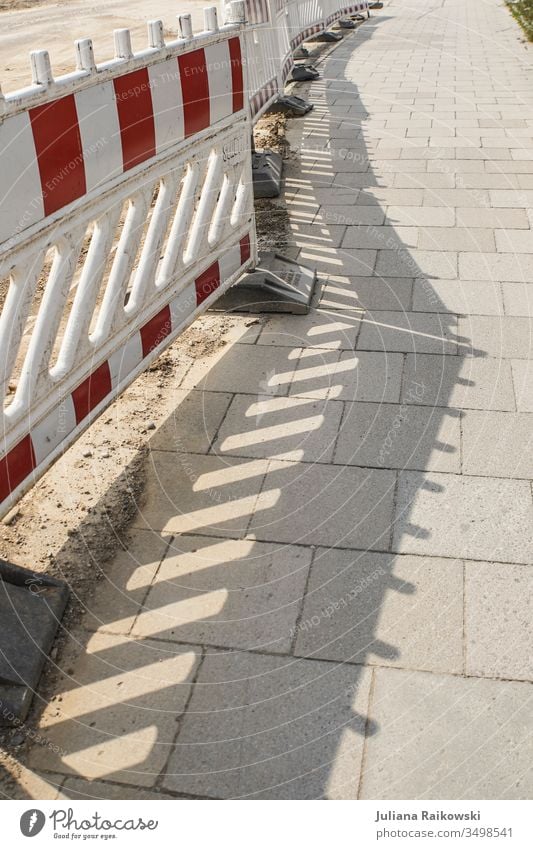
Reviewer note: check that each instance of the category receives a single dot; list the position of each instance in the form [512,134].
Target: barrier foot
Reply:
[266,174]
[276,285]
[301,52]
[293,104]
[328,36]
[346,23]
[303,73]
[31,607]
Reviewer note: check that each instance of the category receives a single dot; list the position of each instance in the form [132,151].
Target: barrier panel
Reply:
[126,207]
[261,45]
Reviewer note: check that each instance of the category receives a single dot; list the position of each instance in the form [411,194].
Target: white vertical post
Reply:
[41,70]
[122,44]
[155,34]
[185,25]
[85,55]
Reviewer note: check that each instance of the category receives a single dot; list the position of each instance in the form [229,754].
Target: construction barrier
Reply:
[126,201]
[126,209]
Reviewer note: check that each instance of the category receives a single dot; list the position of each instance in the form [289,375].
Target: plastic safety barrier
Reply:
[126,208]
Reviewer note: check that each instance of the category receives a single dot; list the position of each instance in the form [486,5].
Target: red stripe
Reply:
[59,152]
[195,90]
[237,81]
[155,330]
[15,466]
[207,283]
[135,116]
[245,248]
[93,390]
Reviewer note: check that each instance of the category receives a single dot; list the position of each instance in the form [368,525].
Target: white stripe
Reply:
[229,263]
[100,133]
[21,202]
[123,361]
[183,306]
[167,100]
[220,83]
[53,429]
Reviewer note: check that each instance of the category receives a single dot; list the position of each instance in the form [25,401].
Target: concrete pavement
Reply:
[326,590]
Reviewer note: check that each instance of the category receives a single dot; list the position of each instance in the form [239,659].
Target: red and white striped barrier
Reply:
[126,208]
[135,179]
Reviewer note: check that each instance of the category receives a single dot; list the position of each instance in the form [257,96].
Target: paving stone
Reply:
[456,198]
[204,494]
[408,331]
[501,267]
[193,421]
[497,444]
[325,505]
[456,239]
[320,329]
[369,608]
[395,436]
[385,238]
[457,516]
[467,297]
[468,383]
[497,620]
[523,385]
[446,737]
[425,216]
[416,263]
[514,241]
[125,583]
[272,728]
[359,376]
[350,215]
[294,428]
[386,293]
[240,594]
[115,714]
[356,263]
[502,337]
[252,369]
[518,298]
[474,218]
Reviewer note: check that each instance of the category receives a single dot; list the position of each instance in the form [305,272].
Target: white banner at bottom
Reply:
[256,825]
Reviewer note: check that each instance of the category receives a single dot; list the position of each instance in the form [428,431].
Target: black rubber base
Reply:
[31,607]
[266,174]
[303,73]
[328,36]
[277,285]
[346,23]
[293,105]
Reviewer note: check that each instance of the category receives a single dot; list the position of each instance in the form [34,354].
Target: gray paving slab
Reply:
[462,382]
[370,608]
[497,444]
[498,620]
[446,737]
[476,518]
[235,593]
[293,428]
[327,505]
[399,436]
[271,728]
[412,332]
[348,376]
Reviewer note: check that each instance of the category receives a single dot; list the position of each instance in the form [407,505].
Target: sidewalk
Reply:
[326,589]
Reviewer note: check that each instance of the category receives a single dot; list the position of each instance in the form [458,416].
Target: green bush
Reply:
[522,11]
